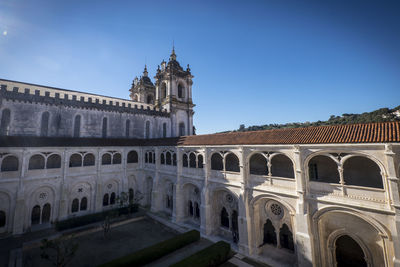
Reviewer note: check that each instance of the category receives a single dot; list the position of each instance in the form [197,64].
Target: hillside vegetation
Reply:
[379,115]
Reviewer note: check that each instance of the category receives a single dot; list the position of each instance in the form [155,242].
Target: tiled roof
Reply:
[351,133]
[338,134]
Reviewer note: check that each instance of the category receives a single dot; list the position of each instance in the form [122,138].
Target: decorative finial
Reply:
[145,73]
[173,55]
[188,68]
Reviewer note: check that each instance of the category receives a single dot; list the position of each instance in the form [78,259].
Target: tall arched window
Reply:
[168,158]
[286,237]
[77,126]
[105,200]
[127,128]
[44,125]
[181,129]
[46,213]
[147,129]
[162,158]
[181,93]
[192,160]
[75,205]
[349,252]
[185,160]
[224,218]
[199,161]
[5,122]
[163,90]
[112,198]
[269,233]
[104,129]
[216,162]
[83,204]
[164,130]
[150,99]
[35,215]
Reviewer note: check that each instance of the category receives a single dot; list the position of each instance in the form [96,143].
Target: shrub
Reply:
[91,218]
[214,255]
[156,251]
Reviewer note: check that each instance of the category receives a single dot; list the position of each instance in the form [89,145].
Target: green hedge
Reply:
[94,217]
[156,251]
[214,255]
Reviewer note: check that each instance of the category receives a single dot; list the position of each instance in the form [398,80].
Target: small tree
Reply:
[59,251]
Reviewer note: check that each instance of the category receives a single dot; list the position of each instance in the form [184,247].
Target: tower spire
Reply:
[145,73]
[173,55]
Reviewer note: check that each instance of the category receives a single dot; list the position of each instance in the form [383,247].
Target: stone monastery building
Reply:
[317,196]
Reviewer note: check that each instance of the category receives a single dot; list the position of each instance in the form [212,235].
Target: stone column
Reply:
[125,183]
[302,224]
[178,212]
[18,222]
[245,196]
[98,192]
[392,183]
[205,207]
[156,200]
[63,207]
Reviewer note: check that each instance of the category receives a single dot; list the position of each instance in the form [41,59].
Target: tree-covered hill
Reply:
[379,115]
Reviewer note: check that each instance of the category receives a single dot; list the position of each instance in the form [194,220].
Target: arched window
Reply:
[44,125]
[192,160]
[75,160]
[232,163]
[75,205]
[9,164]
[163,90]
[181,93]
[235,226]
[77,126]
[131,195]
[132,157]
[190,208]
[174,159]
[286,237]
[83,204]
[269,233]
[127,128]
[199,161]
[5,122]
[36,162]
[46,213]
[106,159]
[105,200]
[282,166]
[181,129]
[117,158]
[35,215]
[362,171]
[53,162]
[112,198]
[89,160]
[258,165]
[164,130]
[224,218]
[2,219]
[150,99]
[216,162]
[168,160]
[162,158]
[147,129]
[150,157]
[349,252]
[323,169]
[104,129]
[185,160]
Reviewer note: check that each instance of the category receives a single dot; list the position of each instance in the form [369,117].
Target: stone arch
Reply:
[132,157]
[75,160]
[362,171]
[9,163]
[80,190]
[282,165]
[322,168]
[192,197]
[89,159]
[40,196]
[116,158]
[36,162]
[217,162]
[192,160]
[258,164]
[53,161]
[362,228]
[232,162]
[106,158]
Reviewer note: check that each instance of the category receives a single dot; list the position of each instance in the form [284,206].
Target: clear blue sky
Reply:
[254,62]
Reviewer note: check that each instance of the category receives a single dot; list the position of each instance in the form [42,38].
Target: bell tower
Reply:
[143,89]
[174,93]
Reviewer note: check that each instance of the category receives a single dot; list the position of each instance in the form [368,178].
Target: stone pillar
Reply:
[205,207]
[98,191]
[392,183]
[18,222]
[179,198]
[244,220]
[63,207]
[156,200]
[302,224]
[125,183]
